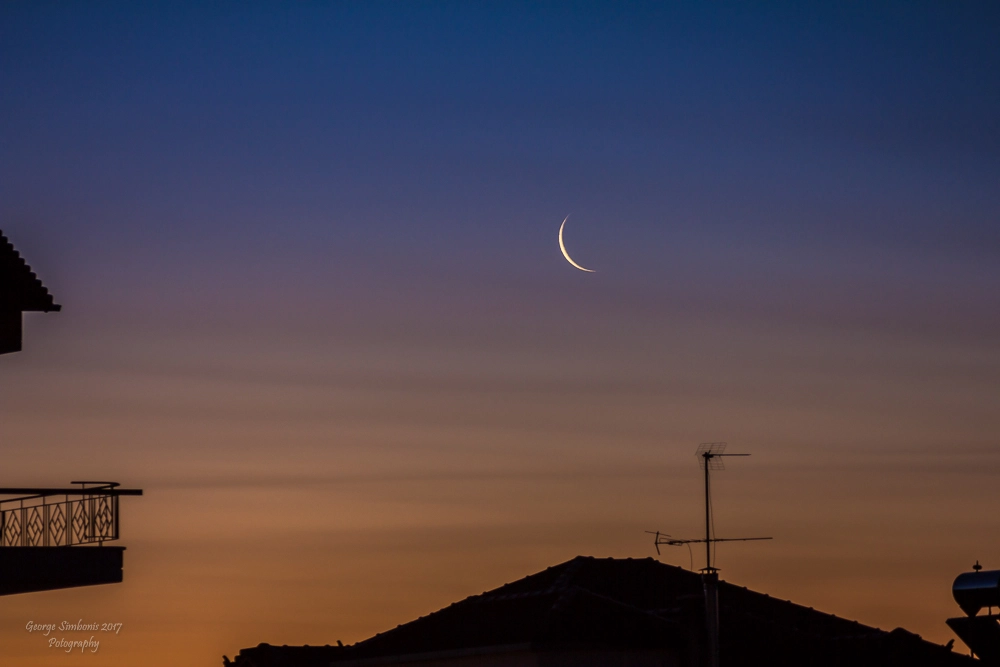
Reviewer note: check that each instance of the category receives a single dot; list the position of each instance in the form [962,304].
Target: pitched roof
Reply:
[563,605]
[590,603]
[19,286]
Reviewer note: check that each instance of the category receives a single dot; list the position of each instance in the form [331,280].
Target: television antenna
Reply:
[710,455]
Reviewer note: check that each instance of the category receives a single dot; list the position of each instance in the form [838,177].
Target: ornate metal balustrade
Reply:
[61,517]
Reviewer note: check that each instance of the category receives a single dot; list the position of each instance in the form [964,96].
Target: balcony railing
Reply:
[61,517]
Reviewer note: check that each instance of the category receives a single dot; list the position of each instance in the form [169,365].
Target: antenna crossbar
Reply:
[668,540]
[710,456]
[663,538]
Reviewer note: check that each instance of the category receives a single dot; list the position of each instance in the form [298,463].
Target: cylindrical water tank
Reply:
[975,590]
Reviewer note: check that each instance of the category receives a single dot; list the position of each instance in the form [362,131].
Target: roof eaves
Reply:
[19,285]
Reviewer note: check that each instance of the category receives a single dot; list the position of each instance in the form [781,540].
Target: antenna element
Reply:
[710,455]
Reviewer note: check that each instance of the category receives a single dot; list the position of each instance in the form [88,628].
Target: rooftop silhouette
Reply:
[20,291]
[609,611]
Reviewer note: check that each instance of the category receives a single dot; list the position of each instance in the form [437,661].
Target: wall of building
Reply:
[527,658]
[10,330]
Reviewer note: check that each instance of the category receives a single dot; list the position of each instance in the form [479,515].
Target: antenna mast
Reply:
[710,458]
[710,455]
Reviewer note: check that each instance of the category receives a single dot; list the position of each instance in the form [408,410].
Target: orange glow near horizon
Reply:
[303,503]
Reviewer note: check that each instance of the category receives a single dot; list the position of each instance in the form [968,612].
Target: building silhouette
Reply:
[20,291]
[51,538]
[618,612]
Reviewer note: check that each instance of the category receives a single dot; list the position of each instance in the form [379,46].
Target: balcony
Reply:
[55,538]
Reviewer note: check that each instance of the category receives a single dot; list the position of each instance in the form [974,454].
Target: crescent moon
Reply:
[562,246]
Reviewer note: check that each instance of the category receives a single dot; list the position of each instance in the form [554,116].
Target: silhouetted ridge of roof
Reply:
[595,604]
[586,602]
[606,602]
[552,616]
[19,286]
[647,583]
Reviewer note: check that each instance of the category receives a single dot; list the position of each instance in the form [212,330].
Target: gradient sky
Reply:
[314,303]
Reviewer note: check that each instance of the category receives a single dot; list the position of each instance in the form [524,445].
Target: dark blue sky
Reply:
[841,148]
[847,123]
